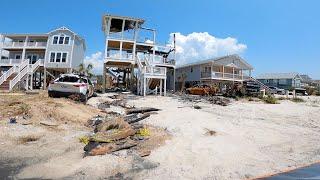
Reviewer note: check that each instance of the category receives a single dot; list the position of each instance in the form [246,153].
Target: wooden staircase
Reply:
[5,86]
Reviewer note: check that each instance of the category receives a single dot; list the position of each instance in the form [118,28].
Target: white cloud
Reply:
[96,59]
[201,45]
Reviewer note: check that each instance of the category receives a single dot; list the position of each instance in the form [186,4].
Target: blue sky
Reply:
[280,35]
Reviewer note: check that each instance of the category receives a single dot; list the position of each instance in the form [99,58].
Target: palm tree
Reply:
[86,70]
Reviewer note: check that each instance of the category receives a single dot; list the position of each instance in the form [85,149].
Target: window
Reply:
[55,39]
[66,40]
[64,57]
[52,57]
[61,39]
[18,56]
[283,81]
[72,79]
[58,58]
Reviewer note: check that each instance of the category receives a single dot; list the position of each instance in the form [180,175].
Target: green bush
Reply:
[270,100]
[297,100]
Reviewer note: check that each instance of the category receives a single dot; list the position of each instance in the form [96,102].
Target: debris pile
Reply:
[117,131]
[202,90]
[218,100]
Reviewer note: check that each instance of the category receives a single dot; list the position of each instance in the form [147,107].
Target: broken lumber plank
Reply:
[141,110]
[137,118]
[108,148]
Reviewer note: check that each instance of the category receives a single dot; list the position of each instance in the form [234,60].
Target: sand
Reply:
[252,139]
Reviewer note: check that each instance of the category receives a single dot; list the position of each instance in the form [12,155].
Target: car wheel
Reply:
[51,94]
[84,98]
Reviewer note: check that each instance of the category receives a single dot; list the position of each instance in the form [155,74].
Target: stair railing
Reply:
[23,70]
[6,75]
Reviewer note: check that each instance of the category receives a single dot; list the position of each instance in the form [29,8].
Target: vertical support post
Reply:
[45,79]
[242,74]
[40,79]
[154,46]
[174,80]
[1,45]
[233,73]
[31,87]
[107,31]
[222,71]
[161,87]
[104,78]
[165,87]
[27,82]
[144,86]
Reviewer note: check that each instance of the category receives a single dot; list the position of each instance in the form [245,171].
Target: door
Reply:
[32,58]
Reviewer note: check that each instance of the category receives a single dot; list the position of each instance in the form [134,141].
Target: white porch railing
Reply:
[22,44]
[23,70]
[6,75]
[223,76]
[33,67]
[37,44]
[10,62]
[155,71]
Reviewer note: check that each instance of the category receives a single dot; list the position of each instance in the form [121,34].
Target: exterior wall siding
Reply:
[78,54]
[282,83]
[192,73]
[59,48]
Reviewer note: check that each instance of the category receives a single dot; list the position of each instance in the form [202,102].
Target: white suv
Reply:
[71,84]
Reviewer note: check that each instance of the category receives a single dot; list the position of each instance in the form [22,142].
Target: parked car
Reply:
[71,84]
[276,90]
[301,92]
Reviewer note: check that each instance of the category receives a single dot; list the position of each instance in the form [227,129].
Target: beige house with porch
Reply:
[226,69]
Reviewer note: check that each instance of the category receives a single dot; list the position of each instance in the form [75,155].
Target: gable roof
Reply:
[221,61]
[291,75]
[63,28]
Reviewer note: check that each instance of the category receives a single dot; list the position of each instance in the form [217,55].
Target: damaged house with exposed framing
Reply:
[30,61]
[133,59]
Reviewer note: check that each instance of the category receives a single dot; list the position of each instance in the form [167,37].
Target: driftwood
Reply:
[112,130]
[103,149]
[141,110]
[133,118]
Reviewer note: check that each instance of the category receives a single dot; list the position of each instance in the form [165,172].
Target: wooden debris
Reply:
[210,132]
[141,110]
[107,148]
[144,153]
[49,123]
[113,130]
[137,118]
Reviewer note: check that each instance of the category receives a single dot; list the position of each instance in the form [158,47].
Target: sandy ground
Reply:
[252,139]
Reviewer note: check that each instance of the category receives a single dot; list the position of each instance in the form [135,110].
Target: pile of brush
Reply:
[117,132]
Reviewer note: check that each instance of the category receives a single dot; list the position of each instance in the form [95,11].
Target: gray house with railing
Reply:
[281,80]
[31,60]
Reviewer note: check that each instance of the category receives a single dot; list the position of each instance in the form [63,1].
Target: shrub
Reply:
[282,98]
[270,100]
[144,132]
[297,100]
